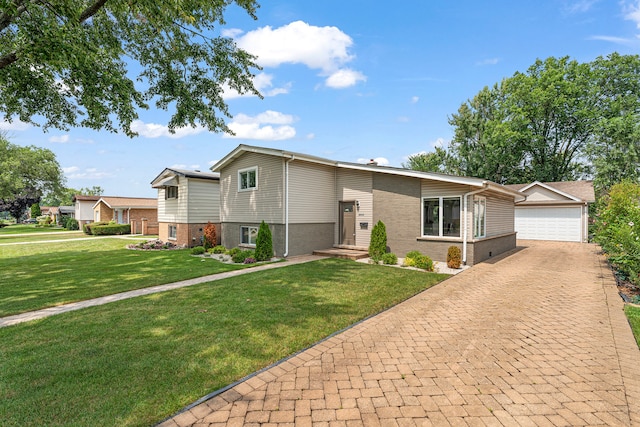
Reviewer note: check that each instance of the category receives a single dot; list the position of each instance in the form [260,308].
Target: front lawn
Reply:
[35,276]
[41,237]
[135,362]
[29,228]
[633,314]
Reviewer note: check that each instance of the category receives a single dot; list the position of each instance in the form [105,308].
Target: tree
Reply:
[35,210]
[615,152]
[26,174]
[378,244]
[72,63]
[436,161]
[64,197]
[532,126]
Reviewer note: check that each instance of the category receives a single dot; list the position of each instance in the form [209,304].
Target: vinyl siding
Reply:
[265,203]
[355,185]
[174,210]
[203,199]
[500,215]
[312,193]
[437,189]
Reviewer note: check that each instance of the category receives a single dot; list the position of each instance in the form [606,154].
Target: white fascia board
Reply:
[548,187]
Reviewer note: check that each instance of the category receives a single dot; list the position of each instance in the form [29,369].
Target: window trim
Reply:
[253,169]
[175,229]
[440,217]
[249,227]
[167,194]
[480,200]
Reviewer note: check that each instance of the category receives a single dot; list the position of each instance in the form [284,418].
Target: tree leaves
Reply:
[96,63]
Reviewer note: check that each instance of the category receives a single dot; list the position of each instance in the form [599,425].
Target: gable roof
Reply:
[474,182]
[83,198]
[128,202]
[166,178]
[578,191]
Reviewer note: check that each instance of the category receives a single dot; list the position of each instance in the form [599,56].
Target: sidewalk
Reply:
[51,311]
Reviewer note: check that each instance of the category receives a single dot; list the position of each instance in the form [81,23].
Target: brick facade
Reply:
[186,234]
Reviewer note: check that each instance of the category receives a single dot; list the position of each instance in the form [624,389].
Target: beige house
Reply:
[141,213]
[313,203]
[187,201]
[554,210]
[83,207]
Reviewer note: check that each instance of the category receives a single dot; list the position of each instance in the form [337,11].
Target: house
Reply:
[65,212]
[83,208]
[554,210]
[187,201]
[141,213]
[314,203]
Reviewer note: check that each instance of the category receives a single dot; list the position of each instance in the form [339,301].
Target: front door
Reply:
[347,223]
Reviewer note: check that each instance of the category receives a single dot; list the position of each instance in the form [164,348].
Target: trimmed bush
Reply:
[111,229]
[218,249]
[249,260]
[87,227]
[378,243]
[71,224]
[241,256]
[389,259]
[233,251]
[197,250]
[418,260]
[454,257]
[264,243]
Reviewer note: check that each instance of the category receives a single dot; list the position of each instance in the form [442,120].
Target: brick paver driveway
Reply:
[537,338]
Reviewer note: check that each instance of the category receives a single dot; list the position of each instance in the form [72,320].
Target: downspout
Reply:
[485,186]
[286,207]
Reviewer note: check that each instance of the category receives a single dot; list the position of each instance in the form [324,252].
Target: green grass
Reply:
[28,228]
[35,276]
[633,314]
[37,237]
[135,362]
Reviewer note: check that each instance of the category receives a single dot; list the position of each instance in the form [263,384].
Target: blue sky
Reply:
[350,80]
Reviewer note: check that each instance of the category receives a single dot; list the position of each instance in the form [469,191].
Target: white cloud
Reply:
[488,61]
[263,82]
[612,39]
[404,119]
[62,139]
[250,127]
[579,6]
[632,12]
[415,99]
[231,32]
[380,160]
[14,125]
[183,166]
[74,172]
[319,48]
[344,78]
[153,130]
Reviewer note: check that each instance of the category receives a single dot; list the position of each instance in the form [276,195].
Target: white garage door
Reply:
[548,224]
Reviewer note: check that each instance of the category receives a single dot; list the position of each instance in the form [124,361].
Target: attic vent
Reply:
[372,162]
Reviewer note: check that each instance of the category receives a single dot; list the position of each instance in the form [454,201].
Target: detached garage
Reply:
[554,210]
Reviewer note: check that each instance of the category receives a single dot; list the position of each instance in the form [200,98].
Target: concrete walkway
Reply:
[538,338]
[51,311]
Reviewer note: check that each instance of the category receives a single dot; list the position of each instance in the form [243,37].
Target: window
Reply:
[171,192]
[173,232]
[441,216]
[248,235]
[479,217]
[248,179]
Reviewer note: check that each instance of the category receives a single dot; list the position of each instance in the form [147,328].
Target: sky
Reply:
[349,80]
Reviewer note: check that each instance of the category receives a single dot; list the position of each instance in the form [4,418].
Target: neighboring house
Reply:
[313,203]
[554,210]
[141,213]
[65,212]
[187,201]
[83,207]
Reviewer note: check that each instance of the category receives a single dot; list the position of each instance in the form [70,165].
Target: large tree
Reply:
[559,120]
[64,197]
[94,63]
[26,174]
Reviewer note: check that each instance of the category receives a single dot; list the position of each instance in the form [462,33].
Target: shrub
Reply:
[218,249]
[87,227]
[249,260]
[378,243]
[233,251]
[418,260]
[197,250]
[241,256]
[71,224]
[210,237]
[35,210]
[618,229]
[454,257]
[389,259]
[264,243]
[111,229]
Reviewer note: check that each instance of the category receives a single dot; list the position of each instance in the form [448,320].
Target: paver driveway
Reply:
[536,338]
